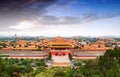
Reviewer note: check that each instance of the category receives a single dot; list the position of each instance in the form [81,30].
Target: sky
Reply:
[59,17]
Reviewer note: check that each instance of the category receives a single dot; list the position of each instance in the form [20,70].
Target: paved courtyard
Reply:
[61,59]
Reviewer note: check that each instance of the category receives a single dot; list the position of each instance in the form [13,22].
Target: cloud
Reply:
[36,28]
[15,11]
[69,20]
[42,22]
[98,16]
[52,20]
[24,7]
[24,25]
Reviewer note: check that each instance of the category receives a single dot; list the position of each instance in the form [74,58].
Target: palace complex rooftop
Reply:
[59,42]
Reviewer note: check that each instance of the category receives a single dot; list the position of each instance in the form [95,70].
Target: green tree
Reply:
[49,56]
[39,47]
[115,70]
[117,54]
[59,74]
[70,56]
[3,45]
[76,47]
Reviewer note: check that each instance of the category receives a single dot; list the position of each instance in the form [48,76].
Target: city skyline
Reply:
[59,17]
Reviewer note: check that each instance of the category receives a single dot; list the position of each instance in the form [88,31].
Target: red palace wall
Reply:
[60,53]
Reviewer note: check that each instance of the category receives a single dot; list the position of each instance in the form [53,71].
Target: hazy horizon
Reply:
[27,36]
[60,18]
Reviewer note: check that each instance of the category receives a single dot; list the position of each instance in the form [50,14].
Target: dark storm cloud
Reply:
[14,11]
[24,7]
[17,10]
[29,6]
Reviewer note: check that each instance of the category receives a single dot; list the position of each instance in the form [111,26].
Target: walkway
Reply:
[61,61]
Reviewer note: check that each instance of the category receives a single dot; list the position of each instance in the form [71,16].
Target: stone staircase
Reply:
[61,61]
[61,64]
